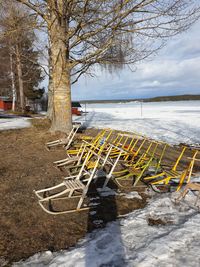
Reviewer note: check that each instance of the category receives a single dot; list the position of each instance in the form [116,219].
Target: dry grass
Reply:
[26,165]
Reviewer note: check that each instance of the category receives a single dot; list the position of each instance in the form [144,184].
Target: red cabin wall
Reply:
[5,105]
[75,111]
[8,105]
[1,104]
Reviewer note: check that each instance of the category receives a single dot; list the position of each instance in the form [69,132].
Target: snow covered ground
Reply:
[131,241]
[172,122]
[13,123]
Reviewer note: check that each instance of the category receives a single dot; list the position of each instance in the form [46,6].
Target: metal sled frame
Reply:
[128,146]
[71,184]
[76,161]
[193,186]
[166,176]
[72,160]
[96,142]
[76,157]
[138,168]
[99,152]
[66,142]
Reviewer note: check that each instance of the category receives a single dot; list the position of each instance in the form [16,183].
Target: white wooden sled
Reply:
[67,189]
[65,142]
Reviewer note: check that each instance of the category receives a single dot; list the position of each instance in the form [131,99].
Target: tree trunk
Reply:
[12,82]
[20,79]
[50,91]
[61,113]
[50,100]
[61,116]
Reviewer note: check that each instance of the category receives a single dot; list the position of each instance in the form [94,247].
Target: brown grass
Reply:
[25,228]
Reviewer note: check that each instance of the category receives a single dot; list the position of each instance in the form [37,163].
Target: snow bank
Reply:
[14,123]
[172,122]
[133,242]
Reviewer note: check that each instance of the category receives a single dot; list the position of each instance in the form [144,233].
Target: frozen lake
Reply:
[173,122]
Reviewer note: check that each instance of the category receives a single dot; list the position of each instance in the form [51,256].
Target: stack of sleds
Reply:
[122,157]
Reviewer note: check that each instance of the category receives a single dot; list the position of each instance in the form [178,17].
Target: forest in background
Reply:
[152,99]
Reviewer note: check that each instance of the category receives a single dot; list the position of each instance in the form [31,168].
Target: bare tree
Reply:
[14,93]
[17,32]
[109,32]
[11,26]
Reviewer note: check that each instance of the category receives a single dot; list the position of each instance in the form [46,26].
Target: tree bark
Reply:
[12,82]
[50,91]
[61,83]
[50,99]
[20,79]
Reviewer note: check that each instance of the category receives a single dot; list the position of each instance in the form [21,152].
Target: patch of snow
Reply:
[92,213]
[133,194]
[131,241]
[43,113]
[106,192]
[14,123]
[43,259]
[92,204]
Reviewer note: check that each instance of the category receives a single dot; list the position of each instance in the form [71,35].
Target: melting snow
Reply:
[133,194]
[14,123]
[106,192]
[133,242]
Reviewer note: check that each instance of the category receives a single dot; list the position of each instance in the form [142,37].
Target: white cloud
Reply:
[175,70]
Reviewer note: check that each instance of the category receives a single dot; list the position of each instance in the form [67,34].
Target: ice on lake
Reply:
[173,122]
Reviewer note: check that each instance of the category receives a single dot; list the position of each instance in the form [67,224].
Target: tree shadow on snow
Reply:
[106,246]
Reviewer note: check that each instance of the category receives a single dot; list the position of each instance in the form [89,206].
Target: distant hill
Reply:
[152,99]
[172,98]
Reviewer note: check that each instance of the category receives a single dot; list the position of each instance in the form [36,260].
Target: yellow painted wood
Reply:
[179,158]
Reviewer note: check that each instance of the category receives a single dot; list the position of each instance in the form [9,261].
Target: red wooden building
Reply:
[5,103]
[76,108]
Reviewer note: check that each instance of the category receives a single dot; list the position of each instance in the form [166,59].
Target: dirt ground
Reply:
[25,228]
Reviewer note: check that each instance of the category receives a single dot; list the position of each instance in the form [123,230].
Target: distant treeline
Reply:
[172,98]
[153,99]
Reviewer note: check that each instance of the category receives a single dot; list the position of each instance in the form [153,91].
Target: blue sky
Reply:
[174,70]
